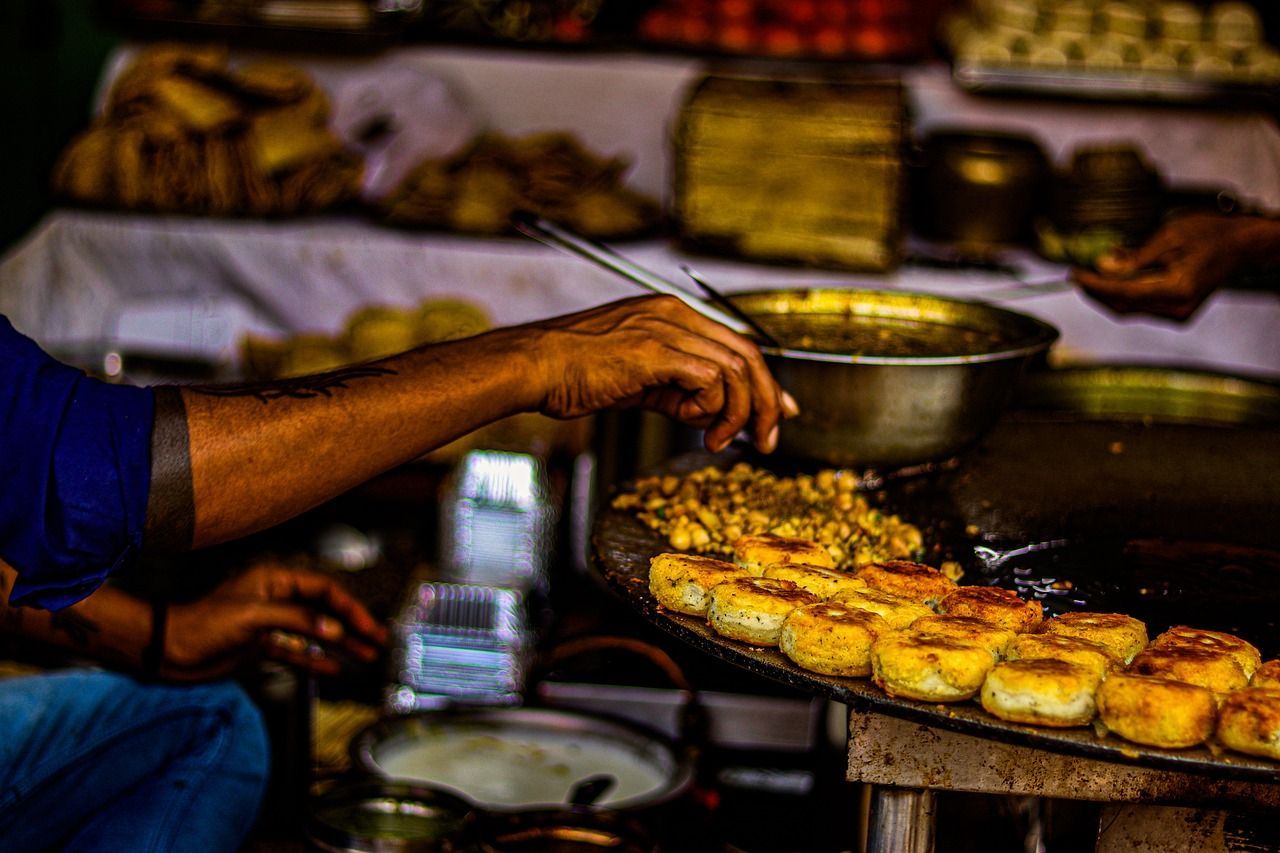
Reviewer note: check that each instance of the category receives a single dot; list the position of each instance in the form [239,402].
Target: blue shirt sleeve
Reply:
[75,470]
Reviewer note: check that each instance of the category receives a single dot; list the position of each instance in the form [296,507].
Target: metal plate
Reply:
[1087,481]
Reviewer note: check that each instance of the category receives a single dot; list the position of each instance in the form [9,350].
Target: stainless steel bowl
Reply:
[380,816]
[890,411]
[522,759]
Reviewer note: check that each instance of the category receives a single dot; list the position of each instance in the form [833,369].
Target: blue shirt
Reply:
[75,469]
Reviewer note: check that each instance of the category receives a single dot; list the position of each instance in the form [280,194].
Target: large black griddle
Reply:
[1171,522]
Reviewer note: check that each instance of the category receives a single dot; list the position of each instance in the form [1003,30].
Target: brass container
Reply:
[891,411]
[793,171]
[979,189]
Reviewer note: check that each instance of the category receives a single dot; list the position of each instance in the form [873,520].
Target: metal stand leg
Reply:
[901,820]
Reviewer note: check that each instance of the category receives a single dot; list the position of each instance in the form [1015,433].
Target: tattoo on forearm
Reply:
[302,388]
[78,628]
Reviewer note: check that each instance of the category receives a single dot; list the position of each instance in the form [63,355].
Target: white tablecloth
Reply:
[195,285]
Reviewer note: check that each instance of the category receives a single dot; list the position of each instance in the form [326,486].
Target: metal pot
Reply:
[979,189]
[894,410]
[521,759]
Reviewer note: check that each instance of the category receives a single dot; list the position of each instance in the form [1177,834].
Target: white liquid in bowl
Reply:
[518,770]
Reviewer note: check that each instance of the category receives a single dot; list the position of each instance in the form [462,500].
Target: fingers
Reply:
[321,588]
[730,372]
[295,651]
[746,376]
[301,620]
[1174,293]
[1165,245]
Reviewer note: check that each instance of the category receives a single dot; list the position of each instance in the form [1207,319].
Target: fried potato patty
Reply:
[1041,692]
[1245,654]
[757,551]
[1002,607]
[1267,675]
[752,609]
[909,580]
[831,639]
[928,667]
[1217,671]
[1123,635]
[682,582]
[1156,711]
[899,612]
[1249,722]
[995,638]
[823,583]
[1094,657]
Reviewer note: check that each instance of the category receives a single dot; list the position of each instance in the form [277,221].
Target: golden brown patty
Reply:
[1195,665]
[681,582]
[831,639]
[909,580]
[1124,635]
[752,609]
[899,612]
[1249,721]
[1094,657]
[995,638]
[929,668]
[755,552]
[1041,692]
[823,583]
[1267,675]
[1155,711]
[1181,636]
[1001,607]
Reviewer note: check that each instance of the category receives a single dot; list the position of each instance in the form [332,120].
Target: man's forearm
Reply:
[1258,241]
[230,460]
[109,626]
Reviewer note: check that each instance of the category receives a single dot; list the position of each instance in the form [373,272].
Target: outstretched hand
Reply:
[290,615]
[658,353]
[1173,273]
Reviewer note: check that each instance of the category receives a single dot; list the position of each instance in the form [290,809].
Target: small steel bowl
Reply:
[381,816]
[891,411]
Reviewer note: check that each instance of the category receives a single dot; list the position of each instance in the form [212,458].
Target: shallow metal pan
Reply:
[1030,481]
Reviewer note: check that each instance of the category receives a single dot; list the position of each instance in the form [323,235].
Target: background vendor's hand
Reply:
[291,615]
[660,354]
[1175,271]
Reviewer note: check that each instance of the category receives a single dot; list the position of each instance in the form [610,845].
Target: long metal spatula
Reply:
[545,231]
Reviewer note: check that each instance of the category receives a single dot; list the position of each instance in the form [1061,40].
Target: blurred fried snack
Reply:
[1041,692]
[1002,607]
[551,174]
[1267,675]
[929,667]
[1249,722]
[995,638]
[1155,711]
[1123,635]
[183,132]
[1183,637]
[911,580]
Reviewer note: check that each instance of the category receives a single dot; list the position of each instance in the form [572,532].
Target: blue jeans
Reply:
[97,761]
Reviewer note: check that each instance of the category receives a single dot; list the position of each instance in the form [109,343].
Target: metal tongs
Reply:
[723,311]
